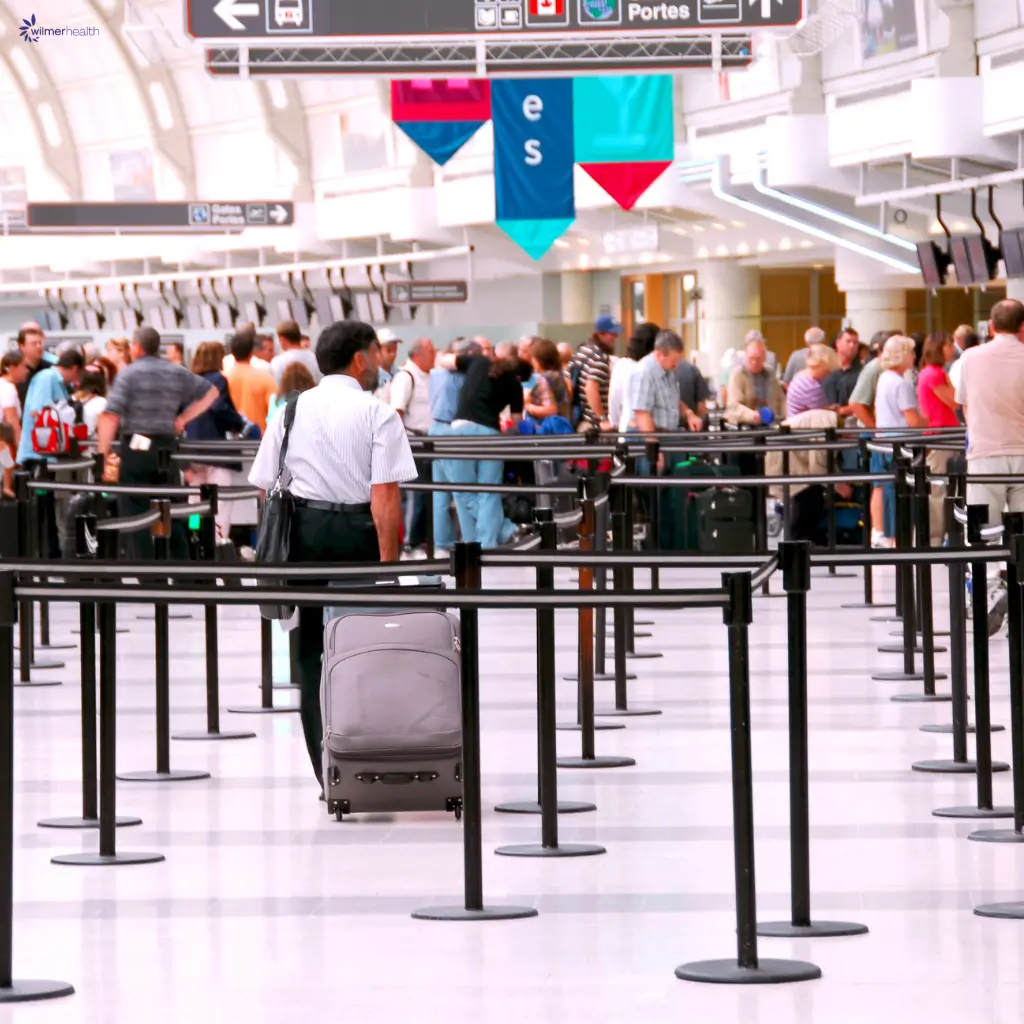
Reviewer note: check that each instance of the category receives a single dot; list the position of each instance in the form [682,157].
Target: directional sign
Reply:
[197,217]
[438,19]
[415,293]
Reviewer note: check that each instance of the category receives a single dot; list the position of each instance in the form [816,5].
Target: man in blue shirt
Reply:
[444,400]
[52,386]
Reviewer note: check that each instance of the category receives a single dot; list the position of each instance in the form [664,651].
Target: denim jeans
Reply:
[444,529]
[883,464]
[481,516]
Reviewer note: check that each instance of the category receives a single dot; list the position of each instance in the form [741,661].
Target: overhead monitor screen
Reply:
[978,252]
[1011,241]
[961,259]
[929,255]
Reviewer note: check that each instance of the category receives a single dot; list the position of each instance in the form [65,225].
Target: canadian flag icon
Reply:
[547,8]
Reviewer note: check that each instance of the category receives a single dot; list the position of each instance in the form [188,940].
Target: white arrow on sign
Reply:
[766,6]
[229,11]
[278,214]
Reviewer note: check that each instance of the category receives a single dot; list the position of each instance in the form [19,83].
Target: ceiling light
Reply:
[584,261]
[960,225]
[679,231]
[737,224]
[605,261]
[785,245]
[722,250]
[561,243]
[702,253]
[743,249]
[763,246]
[806,244]
[717,226]
[697,228]
[818,266]
[585,242]
[646,257]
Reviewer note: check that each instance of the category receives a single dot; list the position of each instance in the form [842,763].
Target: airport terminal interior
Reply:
[709,706]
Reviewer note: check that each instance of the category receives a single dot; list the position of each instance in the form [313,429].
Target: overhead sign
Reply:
[419,19]
[195,217]
[631,241]
[415,293]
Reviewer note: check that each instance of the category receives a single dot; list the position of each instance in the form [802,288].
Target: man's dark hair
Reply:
[288,330]
[339,343]
[1008,316]
[25,332]
[148,339]
[71,359]
[242,346]
[843,333]
[641,341]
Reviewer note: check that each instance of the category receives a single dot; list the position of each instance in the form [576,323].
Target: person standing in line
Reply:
[991,386]
[295,378]
[798,359]
[640,344]
[30,341]
[174,352]
[118,351]
[594,360]
[491,385]
[754,394]
[290,337]
[251,389]
[13,370]
[347,455]
[964,339]
[839,384]
[548,399]
[937,401]
[388,356]
[694,392]
[92,393]
[445,388]
[410,398]
[53,386]
[149,405]
[806,390]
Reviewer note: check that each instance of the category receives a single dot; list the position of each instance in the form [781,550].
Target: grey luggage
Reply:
[392,710]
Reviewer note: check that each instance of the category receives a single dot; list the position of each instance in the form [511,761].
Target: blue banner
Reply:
[533,158]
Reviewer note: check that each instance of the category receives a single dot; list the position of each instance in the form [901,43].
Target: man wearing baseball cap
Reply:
[388,355]
[594,374]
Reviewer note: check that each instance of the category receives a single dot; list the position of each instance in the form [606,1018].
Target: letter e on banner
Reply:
[533,107]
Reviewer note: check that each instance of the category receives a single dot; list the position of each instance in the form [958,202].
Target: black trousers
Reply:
[415,508]
[138,467]
[323,537]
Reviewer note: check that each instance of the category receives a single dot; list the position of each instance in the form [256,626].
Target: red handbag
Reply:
[55,432]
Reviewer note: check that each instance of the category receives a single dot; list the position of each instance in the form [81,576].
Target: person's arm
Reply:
[106,430]
[908,406]
[945,394]
[694,421]
[863,413]
[401,393]
[914,418]
[11,416]
[592,391]
[546,405]
[197,408]
[386,509]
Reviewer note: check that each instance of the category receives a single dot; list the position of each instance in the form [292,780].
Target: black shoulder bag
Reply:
[274,538]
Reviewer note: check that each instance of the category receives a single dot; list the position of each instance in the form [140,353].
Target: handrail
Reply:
[765,573]
[128,524]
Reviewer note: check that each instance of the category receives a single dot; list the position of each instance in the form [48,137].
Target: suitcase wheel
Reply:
[454,804]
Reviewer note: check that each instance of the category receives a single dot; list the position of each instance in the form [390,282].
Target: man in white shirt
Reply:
[990,391]
[290,337]
[249,330]
[346,456]
[410,398]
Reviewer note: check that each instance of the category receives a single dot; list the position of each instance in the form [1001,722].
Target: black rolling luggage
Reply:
[726,525]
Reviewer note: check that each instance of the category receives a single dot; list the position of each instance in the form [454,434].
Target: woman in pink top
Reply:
[936,400]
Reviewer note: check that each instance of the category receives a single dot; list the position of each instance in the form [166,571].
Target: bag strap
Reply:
[289,419]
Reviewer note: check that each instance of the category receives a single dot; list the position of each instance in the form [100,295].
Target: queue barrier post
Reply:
[161,531]
[630,578]
[585,674]
[920,511]
[864,459]
[601,580]
[795,562]
[267,684]
[1013,532]
[747,968]
[108,855]
[467,570]
[652,451]
[547,754]
[619,499]
[86,547]
[830,500]
[11,990]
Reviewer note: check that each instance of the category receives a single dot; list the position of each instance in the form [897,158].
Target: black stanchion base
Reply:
[863,605]
[596,762]
[462,914]
[946,729]
[973,812]
[263,711]
[997,835]
[33,684]
[170,615]
[937,633]
[215,736]
[51,647]
[598,726]
[175,775]
[826,575]
[122,821]
[35,991]
[904,677]
[898,649]
[767,972]
[636,633]
[102,860]
[626,712]
[285,686]
[644,622]
[770,596]
[815,930]
[943,767]
[599,677]
[644,655]
[532,807]
[886,618]
[536,850]
[40,665]
[1005,911]
[120,629]
[921,698]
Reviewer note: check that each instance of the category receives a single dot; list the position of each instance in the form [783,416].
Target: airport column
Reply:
[730,306]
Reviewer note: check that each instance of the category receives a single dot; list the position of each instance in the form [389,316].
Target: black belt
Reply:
[330,506]
[443,421]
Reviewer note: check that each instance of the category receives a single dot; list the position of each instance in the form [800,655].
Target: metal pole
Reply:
[653,453]
[601,583]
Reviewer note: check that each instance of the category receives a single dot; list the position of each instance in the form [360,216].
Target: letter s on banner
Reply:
[534,157]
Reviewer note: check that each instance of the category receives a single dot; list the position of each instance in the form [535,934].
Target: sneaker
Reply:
[881,542]
[997,602]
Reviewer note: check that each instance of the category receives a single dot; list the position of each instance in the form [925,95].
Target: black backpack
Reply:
[576,387]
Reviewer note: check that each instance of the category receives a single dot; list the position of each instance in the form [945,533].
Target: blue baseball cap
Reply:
[607,325]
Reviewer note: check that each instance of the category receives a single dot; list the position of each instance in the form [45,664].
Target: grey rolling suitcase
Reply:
[392,710]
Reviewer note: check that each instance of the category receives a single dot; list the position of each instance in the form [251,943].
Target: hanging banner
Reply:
[533,160]
[624,132]
[441,116]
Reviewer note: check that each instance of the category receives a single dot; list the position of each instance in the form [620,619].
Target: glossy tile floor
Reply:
[267,910]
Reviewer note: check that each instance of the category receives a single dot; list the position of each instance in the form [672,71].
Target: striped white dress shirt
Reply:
[342,442]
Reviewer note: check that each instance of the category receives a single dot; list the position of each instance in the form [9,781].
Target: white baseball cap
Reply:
[387,337]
